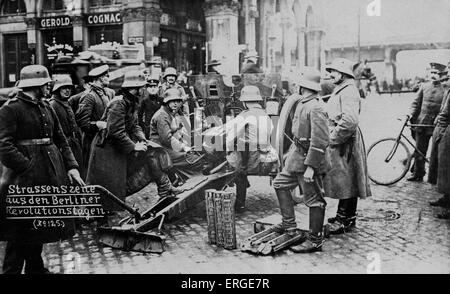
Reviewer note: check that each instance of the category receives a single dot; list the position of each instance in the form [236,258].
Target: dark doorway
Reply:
[16,57]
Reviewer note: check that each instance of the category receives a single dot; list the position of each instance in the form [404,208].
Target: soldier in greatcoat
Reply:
[306,163]
[347,179]
[62,90]
[424,110]
[439,162]
[33,152]
[91,108]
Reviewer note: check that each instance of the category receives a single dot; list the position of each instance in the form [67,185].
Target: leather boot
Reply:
[241,192]
[442,202]
[315,237]
[345,219]
[287,211]
[341,211]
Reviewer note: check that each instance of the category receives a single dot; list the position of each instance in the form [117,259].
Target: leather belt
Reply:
[33,142]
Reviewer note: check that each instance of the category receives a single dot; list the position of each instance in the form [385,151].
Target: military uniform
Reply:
[441,123]
[347,179]
[91,109]
[424,110]
[33,146]
[248,142]
[311,136]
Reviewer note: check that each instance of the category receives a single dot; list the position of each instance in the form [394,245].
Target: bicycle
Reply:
[389,159]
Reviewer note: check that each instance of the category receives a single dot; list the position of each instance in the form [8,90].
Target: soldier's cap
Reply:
[438,66]
[153,80]
[99,71]
[61,81]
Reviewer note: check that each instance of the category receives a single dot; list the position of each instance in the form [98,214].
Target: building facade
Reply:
[185,34]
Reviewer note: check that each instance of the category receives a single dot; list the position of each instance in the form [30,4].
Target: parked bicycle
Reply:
[389,159]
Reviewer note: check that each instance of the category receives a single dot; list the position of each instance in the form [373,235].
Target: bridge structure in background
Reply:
[381,53]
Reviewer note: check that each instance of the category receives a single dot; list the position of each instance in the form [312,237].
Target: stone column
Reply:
[390,65]
[222,33]
[251,13]
[141,18]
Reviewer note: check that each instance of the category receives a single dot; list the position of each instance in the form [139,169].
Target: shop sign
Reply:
[58,50]
[168,20]
[54,22]
[104,18]
[135,40]
[193,25]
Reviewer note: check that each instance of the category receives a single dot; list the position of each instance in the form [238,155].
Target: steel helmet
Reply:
[33,76]
[61,81]
[171,95]
[134,79]
[310,78]
[342,65]
[250,93]
[170,71]
[153,80]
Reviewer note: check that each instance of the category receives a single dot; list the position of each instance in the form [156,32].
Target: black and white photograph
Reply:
[226,137]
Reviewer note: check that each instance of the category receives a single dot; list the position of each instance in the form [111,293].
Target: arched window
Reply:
[54,5]
[12,7]
[97,3]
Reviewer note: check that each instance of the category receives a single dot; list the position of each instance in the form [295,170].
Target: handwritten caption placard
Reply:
[50,204]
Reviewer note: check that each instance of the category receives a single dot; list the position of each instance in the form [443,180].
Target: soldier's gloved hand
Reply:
[74,177]
[309,175]
[101,125]
[140,147]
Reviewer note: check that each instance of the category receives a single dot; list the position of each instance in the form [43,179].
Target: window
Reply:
[12,7]
[97,3]
[54,5]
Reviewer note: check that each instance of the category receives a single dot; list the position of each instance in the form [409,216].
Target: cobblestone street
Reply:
[397,225]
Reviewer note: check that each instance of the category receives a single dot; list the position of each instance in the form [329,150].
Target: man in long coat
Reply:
[91,108]
[120,160]
[33,151]
[439,156]
[424,111]
[62,90]
[306,163]
[348,179]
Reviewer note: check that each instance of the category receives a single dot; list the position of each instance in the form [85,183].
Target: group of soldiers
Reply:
[50,135]
[430,112]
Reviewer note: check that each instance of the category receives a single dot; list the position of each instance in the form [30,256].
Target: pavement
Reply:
[396,229]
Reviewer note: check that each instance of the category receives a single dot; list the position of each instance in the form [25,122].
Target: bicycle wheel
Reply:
[388,161]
